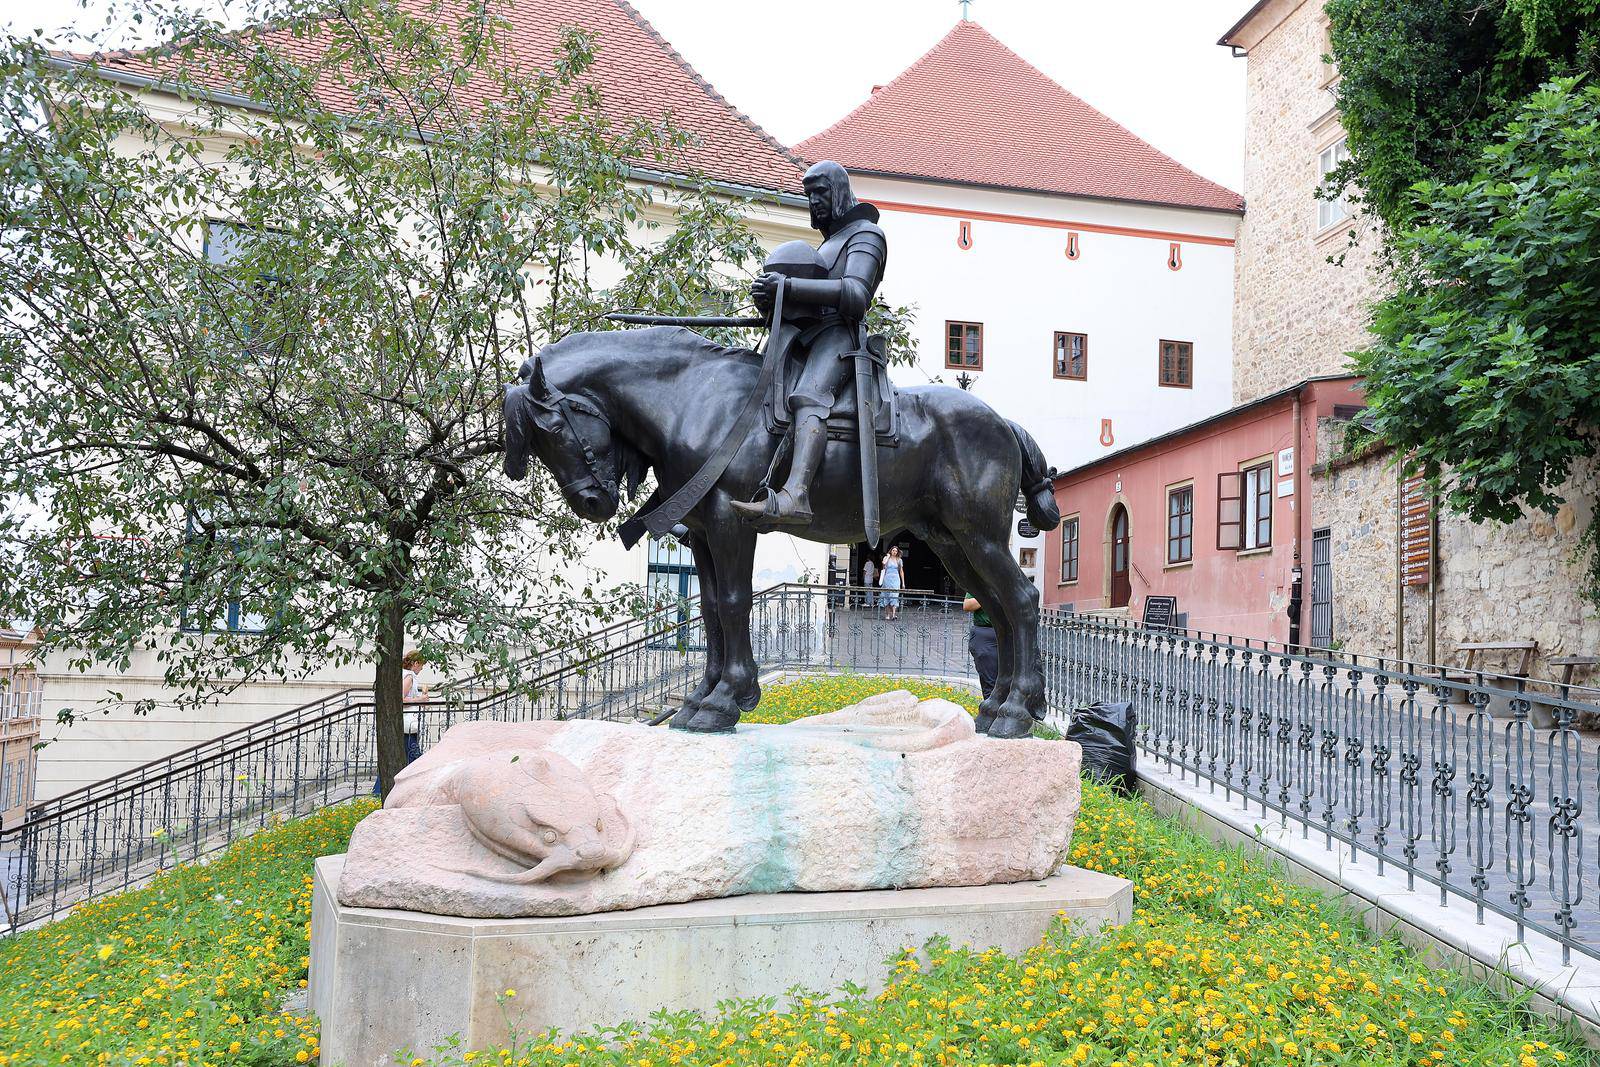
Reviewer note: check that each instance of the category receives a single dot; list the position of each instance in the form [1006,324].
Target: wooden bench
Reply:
[1569,663]
[1485,649]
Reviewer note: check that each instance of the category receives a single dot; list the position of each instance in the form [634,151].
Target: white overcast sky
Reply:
[795,66]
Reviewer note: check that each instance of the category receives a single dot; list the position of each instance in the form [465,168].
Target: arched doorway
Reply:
[1121,587]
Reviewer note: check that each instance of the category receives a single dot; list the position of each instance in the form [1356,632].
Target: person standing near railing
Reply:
[412,691]
[892,579]
[982,646]
[869,575]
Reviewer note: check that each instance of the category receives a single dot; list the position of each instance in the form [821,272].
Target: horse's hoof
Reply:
[680,718]
[710,720]
[749,701]
[984,720]
[1010,727]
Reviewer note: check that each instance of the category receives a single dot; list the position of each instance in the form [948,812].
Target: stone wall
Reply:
[1295,314]
[1514,582]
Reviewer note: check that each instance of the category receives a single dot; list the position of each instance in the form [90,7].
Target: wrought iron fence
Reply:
[1445,778]
[119,832]
[1450,780]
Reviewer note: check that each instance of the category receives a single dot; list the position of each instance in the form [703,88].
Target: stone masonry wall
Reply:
[1515,582]
[1295,314]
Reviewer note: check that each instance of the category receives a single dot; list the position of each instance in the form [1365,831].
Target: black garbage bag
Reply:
[1106,732]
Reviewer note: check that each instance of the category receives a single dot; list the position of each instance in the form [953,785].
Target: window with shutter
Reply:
[1230,510]
[1257,525]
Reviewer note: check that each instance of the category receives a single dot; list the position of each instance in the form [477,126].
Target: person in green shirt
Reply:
[981,644]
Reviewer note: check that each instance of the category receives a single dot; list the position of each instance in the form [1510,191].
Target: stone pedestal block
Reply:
[384,980]
[511,820]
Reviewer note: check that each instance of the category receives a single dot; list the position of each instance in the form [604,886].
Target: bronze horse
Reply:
[600,410]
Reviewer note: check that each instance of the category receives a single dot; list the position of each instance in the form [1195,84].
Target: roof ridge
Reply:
[873,96]
[1023,60]
[969,54]
[710,90]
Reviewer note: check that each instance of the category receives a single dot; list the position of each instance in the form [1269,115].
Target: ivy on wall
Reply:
[1474,136]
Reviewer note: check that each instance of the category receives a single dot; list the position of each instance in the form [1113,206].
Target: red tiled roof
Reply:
[640,77]
[973,111]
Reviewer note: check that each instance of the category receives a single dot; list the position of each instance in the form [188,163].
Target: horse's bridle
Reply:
[560,406]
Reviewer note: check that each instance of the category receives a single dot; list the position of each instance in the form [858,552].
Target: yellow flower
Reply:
[105,952]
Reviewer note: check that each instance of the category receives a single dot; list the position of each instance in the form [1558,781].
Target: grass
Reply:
[189,970]
[1224,963]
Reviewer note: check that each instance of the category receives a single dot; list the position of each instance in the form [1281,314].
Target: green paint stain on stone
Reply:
[760,774]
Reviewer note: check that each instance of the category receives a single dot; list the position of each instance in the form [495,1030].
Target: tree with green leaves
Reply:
[1424,85]
[1486,367]
[1472,132]
[252,355]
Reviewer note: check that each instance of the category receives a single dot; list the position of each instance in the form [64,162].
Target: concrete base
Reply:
[385,981]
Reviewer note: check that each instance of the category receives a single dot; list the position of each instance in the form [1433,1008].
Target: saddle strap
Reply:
[669,514]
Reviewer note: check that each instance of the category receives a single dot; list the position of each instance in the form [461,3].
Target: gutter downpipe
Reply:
[1302,515]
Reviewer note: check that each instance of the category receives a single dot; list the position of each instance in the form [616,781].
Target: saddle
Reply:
[841,422]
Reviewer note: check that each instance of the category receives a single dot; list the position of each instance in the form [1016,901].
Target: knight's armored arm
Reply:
[851,294]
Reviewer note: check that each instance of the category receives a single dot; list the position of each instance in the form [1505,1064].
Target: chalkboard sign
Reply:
[1026,529]
[1160,612]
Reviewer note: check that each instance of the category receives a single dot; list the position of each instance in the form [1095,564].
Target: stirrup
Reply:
[770,512]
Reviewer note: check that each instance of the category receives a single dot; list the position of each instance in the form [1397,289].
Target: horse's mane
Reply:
[632,467]
[701,347]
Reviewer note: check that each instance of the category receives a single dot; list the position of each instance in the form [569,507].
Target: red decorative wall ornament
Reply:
[964,238]
[1072,244]
[1174,256]
[1106,437]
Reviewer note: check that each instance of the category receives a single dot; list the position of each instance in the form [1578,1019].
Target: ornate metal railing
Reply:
[118,832]
[474,687]
[1447,779]
[1450,780]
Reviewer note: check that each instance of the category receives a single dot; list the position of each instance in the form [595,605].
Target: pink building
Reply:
[1215,514]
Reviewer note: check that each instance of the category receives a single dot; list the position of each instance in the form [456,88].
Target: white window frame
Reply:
[1331,213]
[1257,483]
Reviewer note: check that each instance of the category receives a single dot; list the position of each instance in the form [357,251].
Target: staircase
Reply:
[117,833]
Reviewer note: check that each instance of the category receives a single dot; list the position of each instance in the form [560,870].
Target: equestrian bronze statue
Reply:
[720,426]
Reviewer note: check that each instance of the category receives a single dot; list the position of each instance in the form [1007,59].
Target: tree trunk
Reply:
[389,701]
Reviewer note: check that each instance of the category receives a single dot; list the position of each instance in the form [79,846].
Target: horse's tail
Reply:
[1037,491]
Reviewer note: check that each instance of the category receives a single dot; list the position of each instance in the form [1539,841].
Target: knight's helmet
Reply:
[795,259]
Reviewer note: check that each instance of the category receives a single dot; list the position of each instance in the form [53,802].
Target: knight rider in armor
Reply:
[830,310]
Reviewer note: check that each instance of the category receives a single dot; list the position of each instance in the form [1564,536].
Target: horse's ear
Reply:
[516,462]
[537,385]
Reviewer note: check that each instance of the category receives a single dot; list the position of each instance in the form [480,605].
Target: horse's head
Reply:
[568,434]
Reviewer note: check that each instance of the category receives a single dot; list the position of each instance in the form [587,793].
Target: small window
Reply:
[1069,549]
[1071,356]
[1177,364]
[1331,212]
[1180,524]
[963,345]
[1257,527]
[1027,557]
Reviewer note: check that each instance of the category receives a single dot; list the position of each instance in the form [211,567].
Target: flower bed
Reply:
[1224,962]
[189,970]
